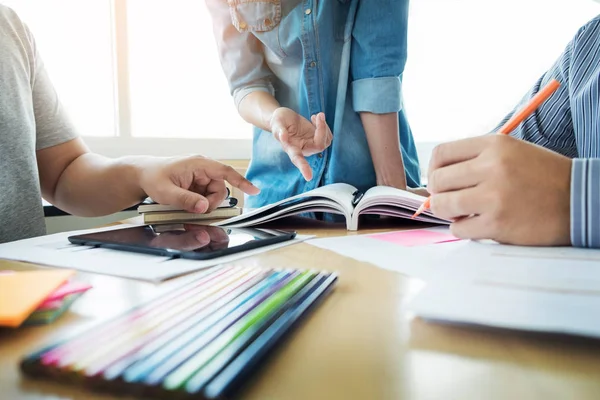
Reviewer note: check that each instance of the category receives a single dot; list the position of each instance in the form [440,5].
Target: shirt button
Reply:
[320,155]
[307,11]
[313,64]
[268,22]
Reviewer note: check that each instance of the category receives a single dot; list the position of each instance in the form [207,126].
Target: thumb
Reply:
[284,136]
[277,127]
[186,200]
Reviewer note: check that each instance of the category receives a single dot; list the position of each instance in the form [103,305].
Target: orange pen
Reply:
[512,123]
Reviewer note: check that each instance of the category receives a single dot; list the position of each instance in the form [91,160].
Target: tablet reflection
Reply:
[188,237]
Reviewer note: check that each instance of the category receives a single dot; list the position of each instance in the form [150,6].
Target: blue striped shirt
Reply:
[569,124]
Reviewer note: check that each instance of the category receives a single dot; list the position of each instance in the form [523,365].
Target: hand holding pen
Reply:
[498,187]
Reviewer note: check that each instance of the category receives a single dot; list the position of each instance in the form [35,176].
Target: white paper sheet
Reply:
[535,269]
[56,251]
[504,307]
[527,288]
[423,262]
[484,283]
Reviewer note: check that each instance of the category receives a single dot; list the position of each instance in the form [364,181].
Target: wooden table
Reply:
[356,345]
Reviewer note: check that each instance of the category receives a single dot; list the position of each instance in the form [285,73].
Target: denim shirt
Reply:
[340,57]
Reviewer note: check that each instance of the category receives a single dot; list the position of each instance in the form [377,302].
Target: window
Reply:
[75,41]
[139,76]
[471,61]
[143,76]
[177,86]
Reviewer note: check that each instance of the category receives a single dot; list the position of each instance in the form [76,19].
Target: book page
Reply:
[336,198]
[385,200]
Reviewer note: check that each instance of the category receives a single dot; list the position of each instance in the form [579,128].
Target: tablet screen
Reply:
[181,237]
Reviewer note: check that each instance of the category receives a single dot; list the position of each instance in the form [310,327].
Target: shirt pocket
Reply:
[255,15]
[260,18]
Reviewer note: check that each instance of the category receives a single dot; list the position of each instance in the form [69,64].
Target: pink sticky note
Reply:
[67,289]
[419,237]
[50,305]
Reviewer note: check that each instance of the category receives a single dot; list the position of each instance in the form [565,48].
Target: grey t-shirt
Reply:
[31,119]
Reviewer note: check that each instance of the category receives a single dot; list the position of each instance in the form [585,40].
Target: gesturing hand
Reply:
[498,187]
[195,184]
[300,137]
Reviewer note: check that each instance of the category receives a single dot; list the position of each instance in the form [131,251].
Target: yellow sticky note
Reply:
[22,292]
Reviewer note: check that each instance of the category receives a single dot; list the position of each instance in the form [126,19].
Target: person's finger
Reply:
[200,234]
[313,119]
[457,151]
[321,132]
[329,135]
[457,176]
[473,227]
[217,171]
[184,241]
[457,204]
[184,199]
[202,239]
[300,162]
[218,236]
[216,192]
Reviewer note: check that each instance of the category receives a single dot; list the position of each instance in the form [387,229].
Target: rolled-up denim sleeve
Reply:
[240,53]
[378,55]
[585,202]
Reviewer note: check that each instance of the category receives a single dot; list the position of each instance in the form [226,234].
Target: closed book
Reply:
[166,217]
[150,206]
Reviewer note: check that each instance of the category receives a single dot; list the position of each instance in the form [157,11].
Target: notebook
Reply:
[342,199]
[22,292]
[204,339]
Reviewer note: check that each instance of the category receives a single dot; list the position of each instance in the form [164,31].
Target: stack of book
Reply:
[154,213]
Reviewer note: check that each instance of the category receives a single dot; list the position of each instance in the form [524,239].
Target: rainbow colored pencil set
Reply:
[201,340]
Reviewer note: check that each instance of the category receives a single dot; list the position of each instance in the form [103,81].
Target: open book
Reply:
[339,198]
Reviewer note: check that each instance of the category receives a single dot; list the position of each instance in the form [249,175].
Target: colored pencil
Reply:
[119,366]
[179,376]
[203,337]
[203,376]
[247,362]
[153,370]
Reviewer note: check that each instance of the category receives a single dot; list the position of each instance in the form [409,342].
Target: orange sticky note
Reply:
[22,292]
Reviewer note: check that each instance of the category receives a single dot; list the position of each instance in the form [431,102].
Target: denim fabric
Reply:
[340,57]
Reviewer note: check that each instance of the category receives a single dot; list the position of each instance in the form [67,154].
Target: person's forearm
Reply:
[93,185]
[384,146]
[257,109]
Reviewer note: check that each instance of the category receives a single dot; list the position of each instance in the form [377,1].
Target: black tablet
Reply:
[197,242]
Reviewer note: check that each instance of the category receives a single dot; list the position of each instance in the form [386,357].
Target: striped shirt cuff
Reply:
[585,202]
